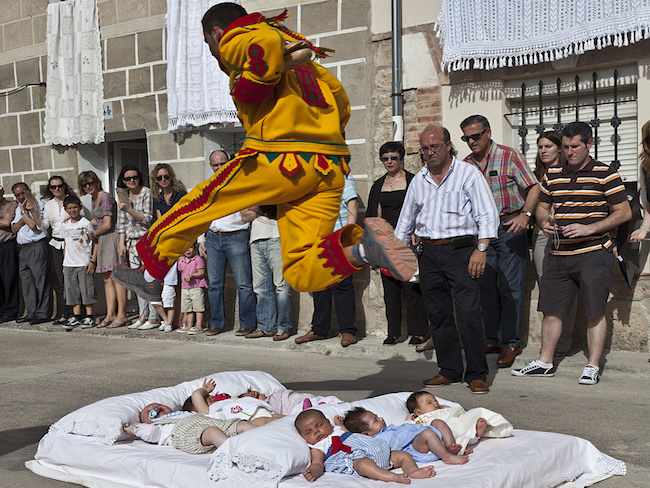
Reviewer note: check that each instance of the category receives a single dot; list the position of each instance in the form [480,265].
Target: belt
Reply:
[462,240]
[58,239]
[437,242]
[228,233]
[508,215]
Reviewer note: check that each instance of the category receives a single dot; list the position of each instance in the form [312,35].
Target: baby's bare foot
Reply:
[422,473]
[468,450]
[401,478]
[455,459]
[454,448]
[481,425]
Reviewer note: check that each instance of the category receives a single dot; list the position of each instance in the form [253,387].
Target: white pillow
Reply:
[104,420]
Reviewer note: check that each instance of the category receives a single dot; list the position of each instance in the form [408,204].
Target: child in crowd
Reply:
[334,450]
[466,427]
[192,269]
[424,443]
[190,432]
[165,307]
[79,261]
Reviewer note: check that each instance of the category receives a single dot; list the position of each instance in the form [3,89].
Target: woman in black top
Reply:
[386,199]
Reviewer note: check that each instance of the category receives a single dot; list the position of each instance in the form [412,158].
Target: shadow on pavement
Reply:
[14,440]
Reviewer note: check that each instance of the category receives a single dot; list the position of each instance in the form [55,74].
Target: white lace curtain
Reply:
[75,89]
[197,90]
[488,34]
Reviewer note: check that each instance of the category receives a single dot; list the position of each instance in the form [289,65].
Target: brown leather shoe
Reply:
[507,356]
[348,339]
[478,387]
[439,380]
[308,337]
[490,349]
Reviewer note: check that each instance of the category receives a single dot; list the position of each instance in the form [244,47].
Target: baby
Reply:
[337,451]
[466,427]
[424,443]
[191,432]
[287,402]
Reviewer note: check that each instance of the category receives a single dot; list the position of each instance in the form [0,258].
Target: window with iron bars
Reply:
[605,99]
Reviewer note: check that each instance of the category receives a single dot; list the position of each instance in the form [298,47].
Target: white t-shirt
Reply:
[78,245]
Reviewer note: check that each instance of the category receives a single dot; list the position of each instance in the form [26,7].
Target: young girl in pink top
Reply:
[192,269]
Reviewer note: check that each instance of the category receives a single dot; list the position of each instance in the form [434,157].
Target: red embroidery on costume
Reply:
[257,63]
[311,92]
[289,164]
[334,256]
[248,91]
[322,164]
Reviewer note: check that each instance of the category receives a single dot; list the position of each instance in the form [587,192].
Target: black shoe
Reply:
[416,340]
[391,341]
[60,321]
[133,279]
[24,320]
[4,319]
[36,321]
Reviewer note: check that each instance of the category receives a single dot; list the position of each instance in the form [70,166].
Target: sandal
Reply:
[416,340]
[105,323]
[425,346]
[116,324]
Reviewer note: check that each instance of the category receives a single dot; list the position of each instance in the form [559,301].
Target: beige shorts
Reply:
[192,300]
[167,297]
[187,432]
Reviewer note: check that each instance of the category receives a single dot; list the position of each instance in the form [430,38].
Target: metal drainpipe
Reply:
[396,41]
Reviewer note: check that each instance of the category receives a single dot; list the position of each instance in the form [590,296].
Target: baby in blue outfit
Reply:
[425,443]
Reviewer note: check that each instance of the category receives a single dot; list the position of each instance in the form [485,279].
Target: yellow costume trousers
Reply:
[308,203]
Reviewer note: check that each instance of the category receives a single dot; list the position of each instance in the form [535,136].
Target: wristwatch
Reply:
[482,247]
[527,213]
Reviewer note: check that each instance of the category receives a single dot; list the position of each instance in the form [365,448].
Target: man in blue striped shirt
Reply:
[448,205]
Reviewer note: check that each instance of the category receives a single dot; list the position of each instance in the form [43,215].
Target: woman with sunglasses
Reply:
[53,216]
[386,199]
[104,213]
[133,220]
[165,188]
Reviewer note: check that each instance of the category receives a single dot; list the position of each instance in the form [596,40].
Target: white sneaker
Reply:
[168,328]
[590,375]
[195,331]
[163,324]
[184,328]
[135,324]
[148,325]
[87,323]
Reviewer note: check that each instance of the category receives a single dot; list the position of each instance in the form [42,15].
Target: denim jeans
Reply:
[502,287]
[234,250]
[269,286]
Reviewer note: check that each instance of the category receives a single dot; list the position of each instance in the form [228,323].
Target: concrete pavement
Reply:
[45,373]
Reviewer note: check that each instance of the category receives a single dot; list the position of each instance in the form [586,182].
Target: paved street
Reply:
[46,373]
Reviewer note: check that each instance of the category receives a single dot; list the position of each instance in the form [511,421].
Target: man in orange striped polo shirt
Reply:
[574,209]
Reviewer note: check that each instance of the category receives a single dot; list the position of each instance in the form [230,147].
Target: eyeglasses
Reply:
[88,183]
[163,177]
[474,137]
[57,187]
[130,178]
[432,147]
[384,159]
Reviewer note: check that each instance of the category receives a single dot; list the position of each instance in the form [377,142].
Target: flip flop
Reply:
[105,322]
[425,346]
[117,324]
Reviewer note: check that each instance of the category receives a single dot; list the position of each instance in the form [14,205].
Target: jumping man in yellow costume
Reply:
[294,156]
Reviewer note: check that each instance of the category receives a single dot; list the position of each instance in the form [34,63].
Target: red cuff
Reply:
[332,246]
[248,91]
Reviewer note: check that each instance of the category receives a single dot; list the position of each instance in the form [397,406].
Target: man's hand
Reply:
[548,229]
[476,266]
[517,224]
[576,230]
[202,249]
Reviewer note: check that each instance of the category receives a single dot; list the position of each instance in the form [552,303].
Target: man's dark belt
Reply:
[58,239]
[508,215]
[459,241]
[228,233]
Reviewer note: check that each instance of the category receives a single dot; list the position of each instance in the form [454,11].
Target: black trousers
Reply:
[57,260]
[344,300]
[9,279]
[416,315]
[446,284]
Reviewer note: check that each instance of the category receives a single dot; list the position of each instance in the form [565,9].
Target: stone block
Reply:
[358,125]
[42,157]
[43,61]
[384,78]
[107,13]
[7,79]
[355,13]
[9,131]
[28,71]
[116,124]
[5,162]
[318,17]
[162,147]
[18,34]
[192,146]
[20,101]
[157,7]
[347,46]
[139,80]
[9,180]
[359,156]
[382,53]
[30,128]
[162,108]
[191,173]
[150,46]
[159,77]
[291,22]
[353,78]
[120,52]
[38,97]
[65,157]
[130,10]
[115,84]
[9,14]
[22,159]
[39,25]
[30,8]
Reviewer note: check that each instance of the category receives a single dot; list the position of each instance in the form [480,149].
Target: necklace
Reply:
[395,178]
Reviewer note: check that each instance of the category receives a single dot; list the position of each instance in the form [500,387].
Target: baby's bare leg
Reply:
[447,436]
[402,459]
[259,421]
[213,436]
[481,425]
[428,440]
[368,468]
[244,425]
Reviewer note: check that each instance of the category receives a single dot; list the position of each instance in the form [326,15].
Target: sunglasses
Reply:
[130,178]
[57,187]
[474,137]
[389,158]
[163,177]
[88,183]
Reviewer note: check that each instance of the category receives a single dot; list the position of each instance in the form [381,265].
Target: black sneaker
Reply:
[534,368]
[133,279]
[384,250]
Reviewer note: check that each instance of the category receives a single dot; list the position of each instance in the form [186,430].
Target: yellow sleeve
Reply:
[341,98]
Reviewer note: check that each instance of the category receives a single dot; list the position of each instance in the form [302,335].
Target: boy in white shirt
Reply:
[79,261]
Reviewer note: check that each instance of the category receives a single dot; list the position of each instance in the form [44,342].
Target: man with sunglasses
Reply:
[448,205]
[515,192]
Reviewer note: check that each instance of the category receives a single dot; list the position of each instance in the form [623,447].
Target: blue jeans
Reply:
[502,287]
[234,250]
[269,286]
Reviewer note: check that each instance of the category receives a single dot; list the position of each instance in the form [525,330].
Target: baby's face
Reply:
[427,403]
[153,411]
[374,423]
[315,428]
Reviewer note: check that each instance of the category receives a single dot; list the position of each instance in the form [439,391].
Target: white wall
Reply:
[414,12]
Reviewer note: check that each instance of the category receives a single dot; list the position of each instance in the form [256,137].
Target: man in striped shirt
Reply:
[447,205]
[573,209]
